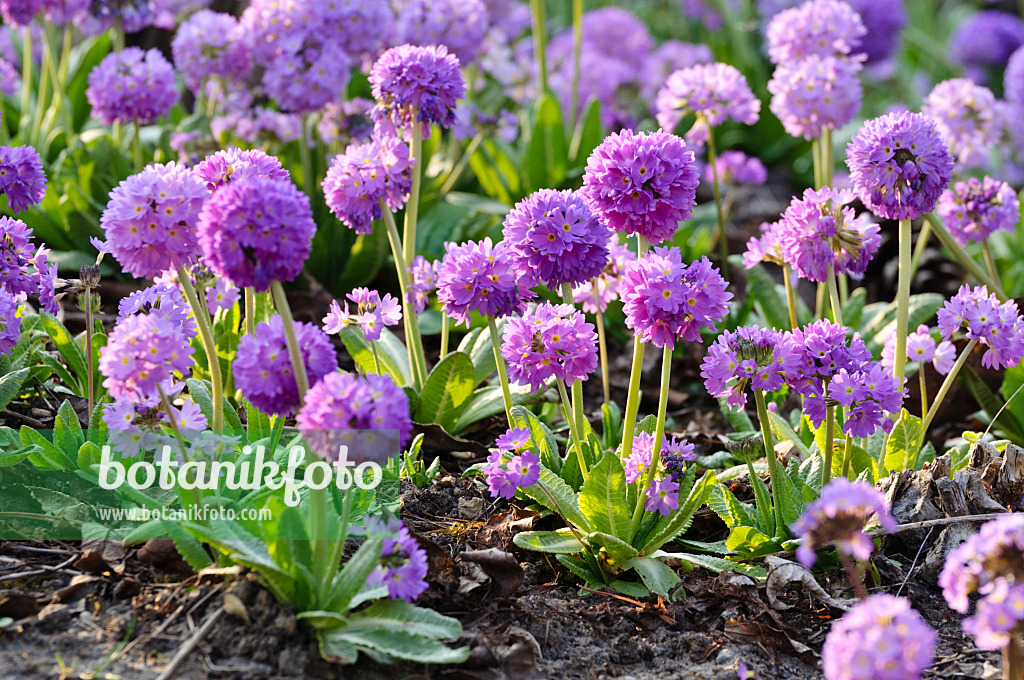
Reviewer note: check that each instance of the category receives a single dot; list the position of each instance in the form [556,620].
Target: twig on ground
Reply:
[40,571]
[913,565]
[934,523]
[190,644]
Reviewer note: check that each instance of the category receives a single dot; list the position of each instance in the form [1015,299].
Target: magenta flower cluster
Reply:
[880,638]
[989,563]
[403,563]
[368,414]
[822,28]
[10,322]
[553,236]
[998,326]
[838,516]
[263,369]
[364,177]
[714,93]
[822,350]
[976,209]
[759,357]
[459,25]
[22,178]
[234,165]
[665,300]
[150,220]
[23,273]
[736,168]
[899,165]
[509,468]
[422,280]
[132,86]
[143,351]
[552,341]
[372,313]
[481,277]
[210,45]
[815,93]
[967,118]
[867,395]
[417,84]
[922,348]
[642,184]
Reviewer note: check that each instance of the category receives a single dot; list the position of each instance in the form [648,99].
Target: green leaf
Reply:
[904,443]
[477,344]
[784,431]
[394,359]
[446,391]
[616,551]
[10,385]
[656,575]
[66,345]
[47,456]
[392,643]
[190,549]
[588,134]
[541,438]
[547,155]
[729,508]
[201,393]
[789,499]
[67,430]
[554,494]
[558,542]
[89,454]
[603,498]
[402,616]
[747,540]
[717,564]
[489,401]
[13,457]
[682,517]
[353,575]
[738,418]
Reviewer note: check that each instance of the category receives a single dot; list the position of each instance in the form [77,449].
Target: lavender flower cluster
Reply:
[998,326]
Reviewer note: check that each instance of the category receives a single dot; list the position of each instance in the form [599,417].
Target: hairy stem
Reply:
[723,241]
[573,429]
[635,373]
[787,280]
[294,351]
[538,15]
[410,320]
[902,302]
[781,530]
[602,346]
[506,393]
[659,435]
[209,346]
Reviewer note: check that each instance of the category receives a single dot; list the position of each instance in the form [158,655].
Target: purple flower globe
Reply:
[150,220]
[417,83]
[19,13]
[347,122]
[922,348]
[263,368]
[366,174]
[1003,35]
[665,300]
[10,322]
[880,638]
[764,247]
[15,255]
[642,184]
[899,165]
[824,28]
[839,516]
[459,25]
[552,341]
[883,19]
[22,178]
[736,168]
[554,236]
[256,231]
[143,351]
[967,118]
[210,44]
[998,326]
[818,230]
[976,209]
[372,314]
[132,86]
[481,277]
[713,92]
[403,567]
[989,564]
[306,77]
[822,350]
[671,56]
[867,395]
[234,164]
[749,356]
[368,414]
[506,473]
[815,93]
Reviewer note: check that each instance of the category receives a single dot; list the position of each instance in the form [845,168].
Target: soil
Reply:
[97,611]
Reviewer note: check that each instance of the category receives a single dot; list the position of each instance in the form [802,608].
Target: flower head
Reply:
[922,348]
[420,82]
[766,247]
[823,28]
[150,221]
[506,473]
[422,280]
[210,44]
[736,168]
[365,176]
[975,209]
[899,165]
[642,183]
[664,299]
[10,322]
[368,414]
[132,86]
[1000,327]
[481,277]
[161,298]
[867,395]
[222,295]
[15,257]
[22,178]
[263,368]
[234,164]
[990,564]
[818,231]
[1003,34]
[839,516]
[822,350]
[815,93]
[257,231]
[880,638]
[674,455]
[966,117]
[553,235]
[595,294]
[551,341]
[713,92]
[662,496]
[347,122]
[403,563]
[1013,79]
[750,355]
[372,313]
[459,25]
[141,352]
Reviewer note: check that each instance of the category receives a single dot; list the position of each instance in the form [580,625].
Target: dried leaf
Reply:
[782,574]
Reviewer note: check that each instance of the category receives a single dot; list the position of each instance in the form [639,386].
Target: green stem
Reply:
[602,346]
[318,534]
[376,358]
[577,34]
[787,280]
[444,335]
[540,46]
[635,373]
[294,351]
[816,159]
[947,383]
[26,76]
[577,385]
[91,396]
[659,435]
[506,393]
[410,320]
[723,241]
[250,310]
[65,53]
[826,156]
[764,502]
[41,95]
[993,272]
[136,146]
[176,431]
[833,296]
[830,433]
[819,301]
[339,543]
[412,207]
[924,389]
[902,302]
[573,429]
[457,171]
[209,346]
[306,159]
[847,455]
[920,247]
[965,260]
[58,83]
[781,530]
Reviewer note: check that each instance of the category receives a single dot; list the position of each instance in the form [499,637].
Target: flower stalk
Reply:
[506,393]
[410,320]
[570,418]
[902,301]
[659,435]
[723,241]
[209,346]
[947,383]
[294,351]
[781,530]
[635,373]
[962,257]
